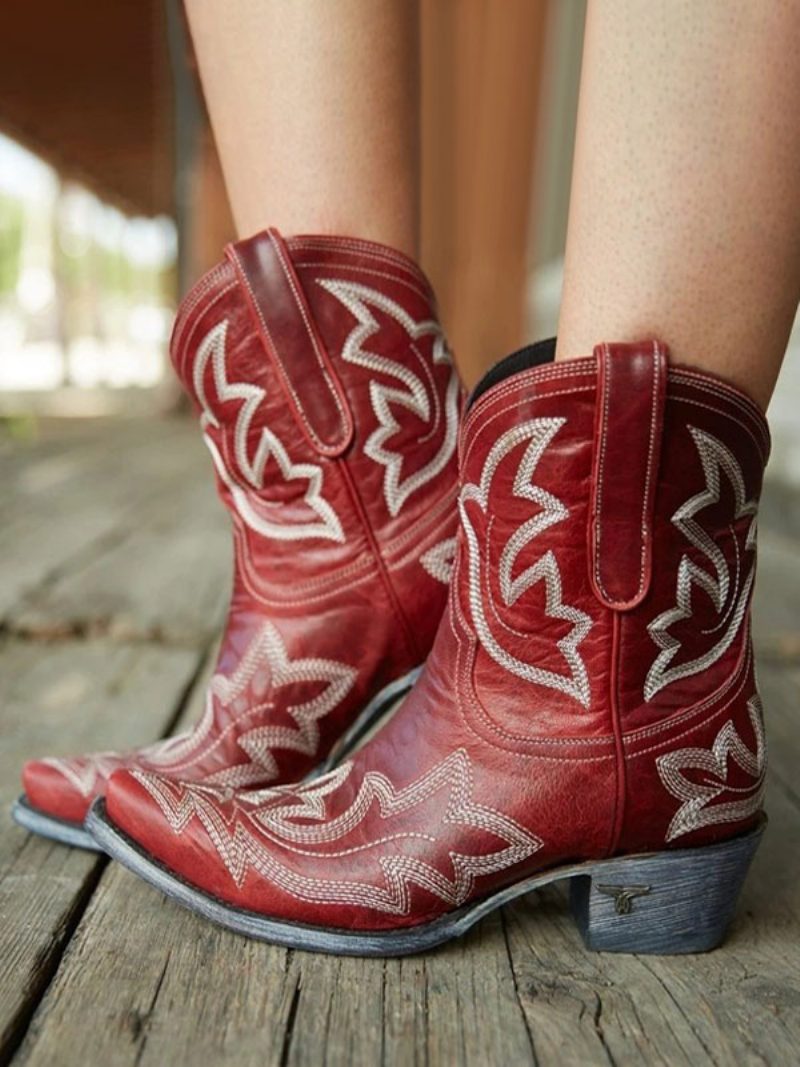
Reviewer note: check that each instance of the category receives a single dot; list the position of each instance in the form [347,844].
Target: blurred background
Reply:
[112,202]
[115,565]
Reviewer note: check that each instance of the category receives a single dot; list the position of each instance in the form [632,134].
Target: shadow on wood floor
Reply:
[114,565]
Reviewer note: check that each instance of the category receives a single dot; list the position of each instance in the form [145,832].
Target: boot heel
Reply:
[663,903]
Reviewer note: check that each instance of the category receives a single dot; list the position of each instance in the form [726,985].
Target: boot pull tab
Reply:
[292,341]
[632,383]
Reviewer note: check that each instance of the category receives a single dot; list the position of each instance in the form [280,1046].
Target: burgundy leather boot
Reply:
[330,405]
[588,711]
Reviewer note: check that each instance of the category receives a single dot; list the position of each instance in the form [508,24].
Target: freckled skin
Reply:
[685,212]
[315,113]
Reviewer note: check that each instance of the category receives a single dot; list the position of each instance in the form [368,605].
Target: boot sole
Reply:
[39,822]
[661,903]
[71,833]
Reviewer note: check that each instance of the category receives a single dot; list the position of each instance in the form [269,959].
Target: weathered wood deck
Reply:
[113,580]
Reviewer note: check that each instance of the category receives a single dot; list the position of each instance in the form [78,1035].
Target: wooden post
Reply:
[211,223]
[481,63]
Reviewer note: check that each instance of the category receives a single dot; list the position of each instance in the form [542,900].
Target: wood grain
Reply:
[96,967]
[126,545]
[70,697]
[481,80]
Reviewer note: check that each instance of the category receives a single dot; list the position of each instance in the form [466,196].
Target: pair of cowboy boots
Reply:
[587,709]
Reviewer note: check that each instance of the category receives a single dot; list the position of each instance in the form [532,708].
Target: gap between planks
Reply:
[519,989]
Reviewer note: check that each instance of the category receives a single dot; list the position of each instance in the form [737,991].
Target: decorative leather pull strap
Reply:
[632,383]
[292,342]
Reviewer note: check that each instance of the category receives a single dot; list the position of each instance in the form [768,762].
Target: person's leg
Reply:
[314,107]
[315,112]
[685,213]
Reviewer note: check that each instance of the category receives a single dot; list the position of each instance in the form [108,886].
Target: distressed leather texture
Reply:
[330,404]
[563,714]
[629,412]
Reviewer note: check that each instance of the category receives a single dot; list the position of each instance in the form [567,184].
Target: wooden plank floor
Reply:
[114,569]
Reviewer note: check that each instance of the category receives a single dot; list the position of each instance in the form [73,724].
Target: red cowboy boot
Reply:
[330,405]
[588,710]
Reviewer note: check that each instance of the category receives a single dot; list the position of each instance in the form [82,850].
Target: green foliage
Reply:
[11,225]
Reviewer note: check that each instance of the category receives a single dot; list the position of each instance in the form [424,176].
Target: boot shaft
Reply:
[329,402]
[608,511]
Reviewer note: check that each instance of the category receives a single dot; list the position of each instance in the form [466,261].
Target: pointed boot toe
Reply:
[58,792]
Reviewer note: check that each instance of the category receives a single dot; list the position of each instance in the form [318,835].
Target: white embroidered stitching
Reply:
[465,693]
[350,269]
[329,527]
[366,250]
[272,597]
[728,393]
[687,717]
[601,472]
[414,397]
[442,529]
[435,517]
[651,453]
[553,373]
[84,772]
[713,457]
[438,560]
[241,851]
[726,415]
[473,438]
[265,665]
[539,433]
[698,807]
[175,752]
